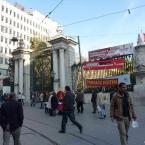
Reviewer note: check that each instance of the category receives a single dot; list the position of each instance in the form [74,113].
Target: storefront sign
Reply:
[111,52]
[93,83]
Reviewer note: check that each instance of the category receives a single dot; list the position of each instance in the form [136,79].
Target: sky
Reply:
[111,30]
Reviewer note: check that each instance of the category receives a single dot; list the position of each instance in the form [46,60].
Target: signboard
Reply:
[104,64]
[93,83]
[123,78]
[111,52]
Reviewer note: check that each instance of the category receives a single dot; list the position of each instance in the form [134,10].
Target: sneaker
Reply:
[61,131]
[81,129]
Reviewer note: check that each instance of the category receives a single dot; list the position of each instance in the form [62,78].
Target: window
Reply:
[1,60]
[14,14]
[6,50]
[10,51]
[7,10]
[2,18]
[6,40]
[6,62]
[1,50]
[2,28]
[2,38]
[10,21]
[6,30]
[10,12]
[14,23]
[18,16]
[14,33]
[17,25]
[17,34]
[6,20]
[3,8]
[10,41]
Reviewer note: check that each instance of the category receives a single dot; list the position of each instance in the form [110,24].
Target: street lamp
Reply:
[52,79]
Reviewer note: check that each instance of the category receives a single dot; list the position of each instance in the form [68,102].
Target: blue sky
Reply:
[99,33]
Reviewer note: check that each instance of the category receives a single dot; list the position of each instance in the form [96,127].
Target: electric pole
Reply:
[80,56]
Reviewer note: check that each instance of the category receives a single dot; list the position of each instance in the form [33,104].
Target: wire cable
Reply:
[107,14]
[52,10]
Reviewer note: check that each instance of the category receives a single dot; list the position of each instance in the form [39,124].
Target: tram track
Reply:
[42,135]
[80,137]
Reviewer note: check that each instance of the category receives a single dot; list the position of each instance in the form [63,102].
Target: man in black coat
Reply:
[69,101]
[94,100]
[11,120]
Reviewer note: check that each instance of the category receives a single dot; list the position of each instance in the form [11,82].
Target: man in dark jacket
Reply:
[94,100]
[80,101]
[12,120]
[69,100]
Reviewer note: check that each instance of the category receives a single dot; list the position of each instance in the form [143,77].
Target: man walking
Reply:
[122,110]
[94,100]
[80,101]
[68,101]
[12,120]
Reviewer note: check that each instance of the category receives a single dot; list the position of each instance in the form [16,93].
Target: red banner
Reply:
[104,64]
[93,83]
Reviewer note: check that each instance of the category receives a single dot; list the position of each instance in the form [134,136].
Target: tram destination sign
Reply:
[111,52]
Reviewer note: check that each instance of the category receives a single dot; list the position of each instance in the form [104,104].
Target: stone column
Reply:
[55,69]
[16,79]
[62,68]
[21,75]
[27,78]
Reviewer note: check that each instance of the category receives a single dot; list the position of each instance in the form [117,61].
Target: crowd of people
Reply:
[64,103]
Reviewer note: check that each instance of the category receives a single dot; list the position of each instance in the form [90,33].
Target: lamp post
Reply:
[52,79]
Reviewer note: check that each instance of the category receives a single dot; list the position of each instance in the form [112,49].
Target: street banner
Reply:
[93,83]
[104,64]
[125,78]
[111,52]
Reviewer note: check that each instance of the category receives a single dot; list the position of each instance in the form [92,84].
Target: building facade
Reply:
[15,21]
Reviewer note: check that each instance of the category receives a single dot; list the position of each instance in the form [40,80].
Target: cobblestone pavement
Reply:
[41,129]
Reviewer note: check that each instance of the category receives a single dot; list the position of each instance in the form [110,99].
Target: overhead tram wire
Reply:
[52,10]
[107,14]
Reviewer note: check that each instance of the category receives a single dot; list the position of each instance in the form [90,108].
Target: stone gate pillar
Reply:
[63,59]
[21,57]
[139,53]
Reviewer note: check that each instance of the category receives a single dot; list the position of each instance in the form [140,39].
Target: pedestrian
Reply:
[68,112]
[80,101]
[23,99]
[11,120]
[94,100]
[111,93]
[33,99]
[122,110]
[41,100]
[19,96]
[54,104]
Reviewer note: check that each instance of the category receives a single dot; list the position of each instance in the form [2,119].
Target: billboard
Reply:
[111,52]
[104,64]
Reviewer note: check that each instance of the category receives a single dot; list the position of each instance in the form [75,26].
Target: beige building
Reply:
[15,21]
